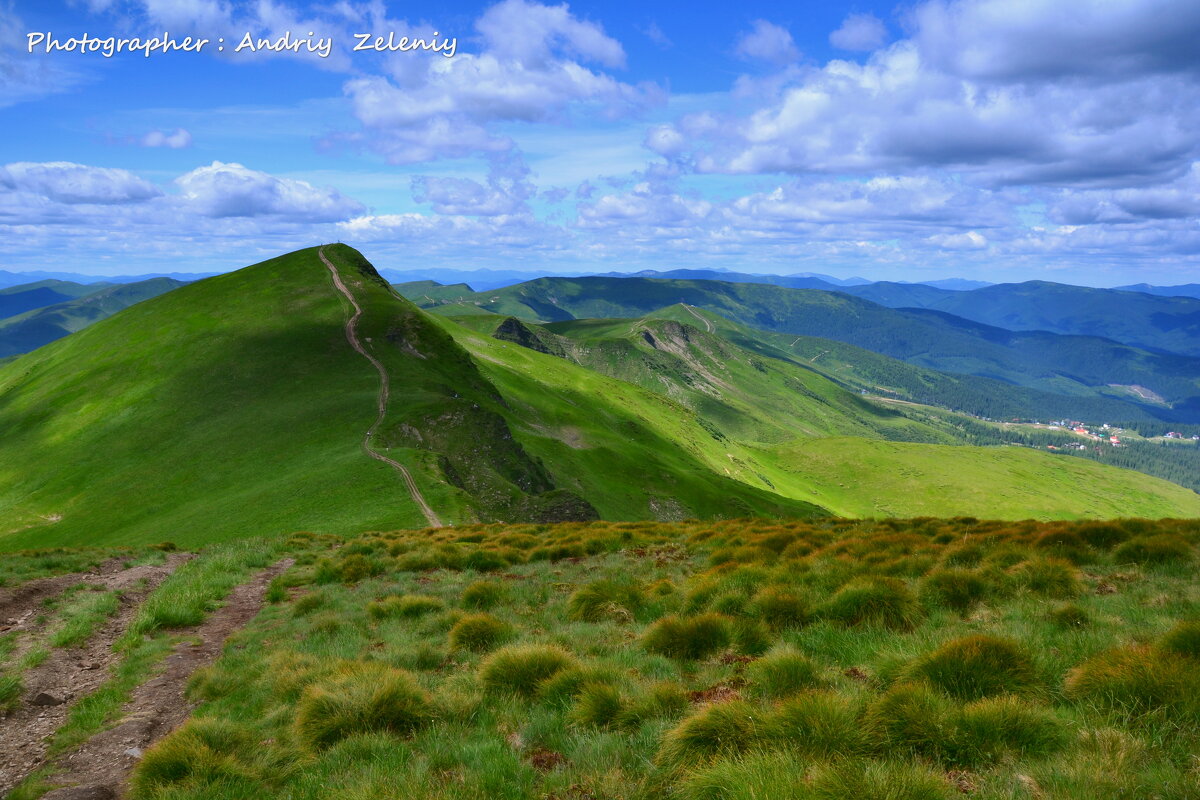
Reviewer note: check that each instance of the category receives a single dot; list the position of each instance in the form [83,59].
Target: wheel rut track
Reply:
[71,673]
[351,328]
[100,768]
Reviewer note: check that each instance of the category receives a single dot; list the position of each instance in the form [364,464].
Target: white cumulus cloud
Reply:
[232,190]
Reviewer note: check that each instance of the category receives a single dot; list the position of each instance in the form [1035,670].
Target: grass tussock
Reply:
[977,666]
[361,697]
[886,602]
[520,669]
[688,637]
[479,633]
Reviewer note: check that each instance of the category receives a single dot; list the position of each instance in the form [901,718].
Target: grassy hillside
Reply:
[909,660]
[758,413]
[865,371]
[28,331]
[234,406]
[1068,365]
[910,479]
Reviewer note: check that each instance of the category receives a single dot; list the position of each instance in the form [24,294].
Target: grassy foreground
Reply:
[724,661]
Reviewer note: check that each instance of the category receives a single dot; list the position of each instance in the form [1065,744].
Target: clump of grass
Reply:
[663,699]
[203,752]
[977,666]
[1065,544]
[598,705]
[912,719]
[1163,548]
[483,595]
[1069,617]
[754,776]
[566,685]
[886,602]
[990,728]
[521,668]
[479,633]
[751,637]
[780,608]
[309,603]
[879,780]
[409,606]
[688,637]
[782,672]
[1051,577]
[821,725]
[1182,640]
[1135,681]
[361,697]
[957,589]
[349,568]
[11,687]
[1104,535]
[605,599]
[83,616]
[717,730]
[276,590]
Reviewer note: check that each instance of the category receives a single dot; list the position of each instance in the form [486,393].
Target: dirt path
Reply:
[17,603]
[707,325]
[99,769]
[71,673]
[384,393]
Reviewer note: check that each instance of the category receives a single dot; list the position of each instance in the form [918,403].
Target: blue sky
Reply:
[990,139]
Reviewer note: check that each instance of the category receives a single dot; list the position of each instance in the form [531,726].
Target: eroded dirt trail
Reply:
[384,393]
[100,768]
[19,606]
[74,672]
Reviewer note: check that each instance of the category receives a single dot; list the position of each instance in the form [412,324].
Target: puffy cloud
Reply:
[66,182]
[531,68]
[524,32]
[180,138]
[1048,39]
[768,42]
[1176,200]
[232,190]
[928,102]
[859,32]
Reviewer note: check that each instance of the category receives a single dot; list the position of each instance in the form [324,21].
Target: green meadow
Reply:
[918,659]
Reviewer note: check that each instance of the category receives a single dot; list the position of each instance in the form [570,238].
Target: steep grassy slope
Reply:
[28,331]
[634,453]
[1072,365]
[230,407]
[28,296]
[235,406]
[758,413]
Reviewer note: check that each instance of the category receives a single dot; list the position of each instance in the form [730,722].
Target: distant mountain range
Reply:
[21,278]
[1065,365]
